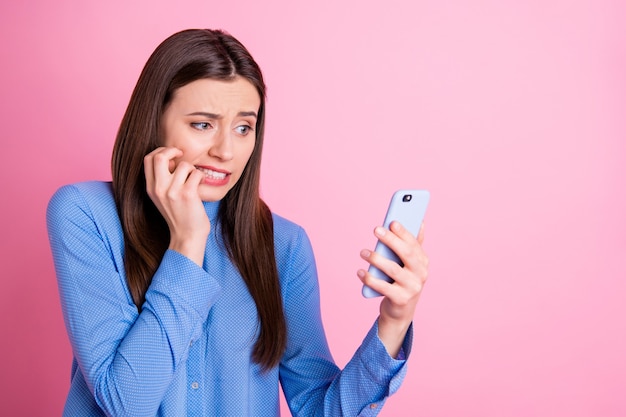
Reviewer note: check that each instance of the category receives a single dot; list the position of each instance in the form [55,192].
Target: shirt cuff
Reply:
[182,279]
[381,366]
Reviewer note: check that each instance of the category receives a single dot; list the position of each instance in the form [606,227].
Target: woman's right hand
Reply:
[173,188]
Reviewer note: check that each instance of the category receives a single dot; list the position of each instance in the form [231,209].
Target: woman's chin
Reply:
[211,194]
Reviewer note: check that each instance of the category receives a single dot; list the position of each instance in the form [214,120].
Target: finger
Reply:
[380,286]
[165,153]
[389,267]
[398,239]
[180,178]
[408,248]
[396,293]
[420,235]
[148,170]
[192,182]
[195,178]
[397,228]
[411,274]
[406,282]
[162,161]
[165,158]
[148,166]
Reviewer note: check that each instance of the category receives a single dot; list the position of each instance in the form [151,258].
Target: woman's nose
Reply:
[222,146]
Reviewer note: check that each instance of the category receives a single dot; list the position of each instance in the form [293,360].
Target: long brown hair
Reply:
[245,220]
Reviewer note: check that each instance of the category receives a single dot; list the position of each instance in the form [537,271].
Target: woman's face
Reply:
[213,122]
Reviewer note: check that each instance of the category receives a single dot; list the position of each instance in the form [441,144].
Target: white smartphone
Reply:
[407,207]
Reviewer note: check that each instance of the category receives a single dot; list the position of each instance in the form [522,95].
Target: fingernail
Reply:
[365,253]
[380,231]
[360,273]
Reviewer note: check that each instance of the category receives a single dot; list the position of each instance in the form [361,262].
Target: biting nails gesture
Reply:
[173,188]
[401,296]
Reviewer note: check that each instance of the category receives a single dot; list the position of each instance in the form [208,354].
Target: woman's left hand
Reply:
[401,296]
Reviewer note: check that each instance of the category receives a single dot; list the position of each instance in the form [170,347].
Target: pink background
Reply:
[512,113]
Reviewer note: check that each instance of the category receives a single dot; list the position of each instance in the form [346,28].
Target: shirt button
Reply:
[373,406]
[195,385]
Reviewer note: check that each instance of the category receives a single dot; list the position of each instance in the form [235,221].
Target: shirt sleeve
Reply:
[127,359]
[312,383]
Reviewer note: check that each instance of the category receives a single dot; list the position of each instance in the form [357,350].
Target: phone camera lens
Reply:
[407,198]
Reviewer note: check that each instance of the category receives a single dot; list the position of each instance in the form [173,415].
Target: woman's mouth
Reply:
[212,174]
[214,177]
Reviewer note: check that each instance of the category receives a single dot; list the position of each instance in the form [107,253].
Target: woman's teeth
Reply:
[212,174]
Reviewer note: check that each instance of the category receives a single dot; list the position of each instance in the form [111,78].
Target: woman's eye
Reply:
[201,125]
[243,129]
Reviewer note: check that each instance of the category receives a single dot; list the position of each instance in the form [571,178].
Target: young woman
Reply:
[181,292]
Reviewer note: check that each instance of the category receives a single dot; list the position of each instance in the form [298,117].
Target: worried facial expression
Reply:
[213,123]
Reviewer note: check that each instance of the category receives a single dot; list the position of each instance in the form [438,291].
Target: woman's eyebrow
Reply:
[206,114]
[219,116]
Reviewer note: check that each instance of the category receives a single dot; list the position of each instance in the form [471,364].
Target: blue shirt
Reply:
[189,350]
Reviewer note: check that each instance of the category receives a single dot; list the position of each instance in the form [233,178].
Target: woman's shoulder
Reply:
[285,228]
[94,198]
[87,190]
[289,236]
